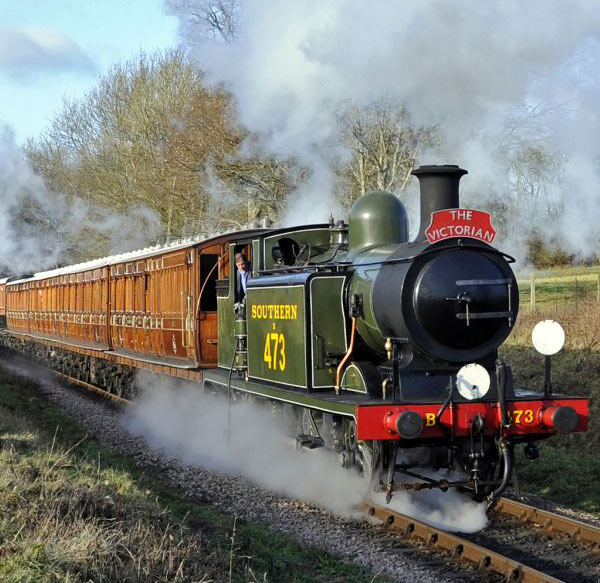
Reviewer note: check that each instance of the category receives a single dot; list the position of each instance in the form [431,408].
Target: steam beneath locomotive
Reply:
[245,439]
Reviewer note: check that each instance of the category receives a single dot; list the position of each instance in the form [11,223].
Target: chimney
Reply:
[439,190]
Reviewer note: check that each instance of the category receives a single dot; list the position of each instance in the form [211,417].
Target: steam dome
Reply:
[377,218]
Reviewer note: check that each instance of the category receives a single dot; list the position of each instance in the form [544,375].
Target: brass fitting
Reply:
[388,347]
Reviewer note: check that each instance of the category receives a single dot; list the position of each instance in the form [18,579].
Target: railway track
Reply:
[460,549]
[485,560]
[550,522]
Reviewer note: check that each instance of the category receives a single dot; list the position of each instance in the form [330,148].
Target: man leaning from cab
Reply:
[243,270]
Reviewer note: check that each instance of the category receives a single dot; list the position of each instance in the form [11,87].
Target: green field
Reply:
[588,271]
[565,288]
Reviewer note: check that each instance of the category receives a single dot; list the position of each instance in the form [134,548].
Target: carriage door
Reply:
[207,308]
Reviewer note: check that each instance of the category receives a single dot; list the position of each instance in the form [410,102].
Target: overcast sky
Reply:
[53,48]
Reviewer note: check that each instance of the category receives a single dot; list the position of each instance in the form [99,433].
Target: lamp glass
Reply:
[472,381]
[548,337]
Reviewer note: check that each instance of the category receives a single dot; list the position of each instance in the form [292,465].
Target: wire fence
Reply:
[570,293]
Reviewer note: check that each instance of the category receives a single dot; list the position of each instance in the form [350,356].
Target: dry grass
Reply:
[582,325]
[73,511]
[63,519]
[568,466]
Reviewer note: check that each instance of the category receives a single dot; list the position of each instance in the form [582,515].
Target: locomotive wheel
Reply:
[369,463]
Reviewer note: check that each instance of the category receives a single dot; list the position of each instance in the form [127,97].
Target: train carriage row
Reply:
[145,304]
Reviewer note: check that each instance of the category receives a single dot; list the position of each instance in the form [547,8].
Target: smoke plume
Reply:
[511,88]
[40,229]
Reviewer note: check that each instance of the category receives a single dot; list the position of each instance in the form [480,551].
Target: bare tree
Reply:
[142,137]
[384,148]
[152,135]
[216,19]
[528,195]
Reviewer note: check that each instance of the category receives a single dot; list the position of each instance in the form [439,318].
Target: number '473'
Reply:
[274,354]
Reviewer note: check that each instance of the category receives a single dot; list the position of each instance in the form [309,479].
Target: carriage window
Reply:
[208,282]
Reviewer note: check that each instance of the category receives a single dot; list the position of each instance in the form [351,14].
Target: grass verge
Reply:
[567,469]
[564,476]
[74,511]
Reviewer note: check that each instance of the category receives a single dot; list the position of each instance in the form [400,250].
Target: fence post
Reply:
[576,292]
[532,292]
[598,290]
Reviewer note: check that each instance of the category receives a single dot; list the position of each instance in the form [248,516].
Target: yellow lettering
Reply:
[274,311]
[274,352]
[528,416]
[275,338]
[267,354]
[518,415]
[282,352]
[429,419]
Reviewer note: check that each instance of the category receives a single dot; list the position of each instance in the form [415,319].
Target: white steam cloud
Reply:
[40,229]
[494,79]
[446,510]
[192,426]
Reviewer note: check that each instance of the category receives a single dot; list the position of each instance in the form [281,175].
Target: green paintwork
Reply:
[313,241]
[353,380]
[226,317]
[312,400]
[257,263]
[317,338]
[362,284]
[279,315]
[328,327]
[377,218]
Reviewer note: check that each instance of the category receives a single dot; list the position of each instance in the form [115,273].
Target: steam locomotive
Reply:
[379,349]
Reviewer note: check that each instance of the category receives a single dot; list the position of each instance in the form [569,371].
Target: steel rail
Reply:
[460,549]
[551,523]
